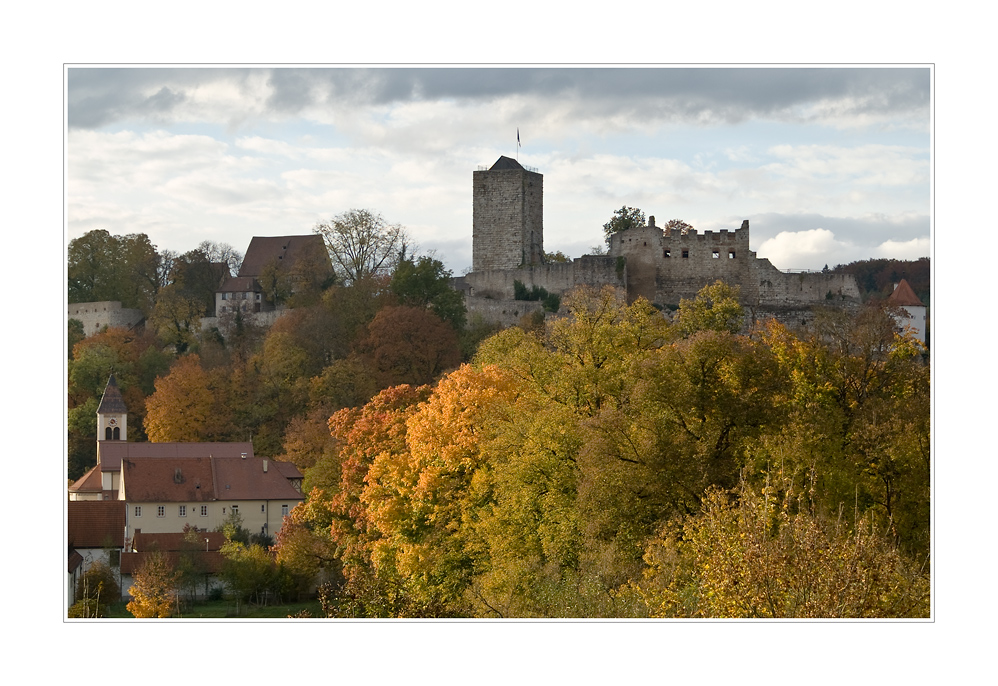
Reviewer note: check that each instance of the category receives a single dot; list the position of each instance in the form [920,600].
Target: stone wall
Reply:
[557,277]
[508,219]
[504,312]
[95,316]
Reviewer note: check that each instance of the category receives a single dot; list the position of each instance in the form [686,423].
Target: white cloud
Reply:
[905,250]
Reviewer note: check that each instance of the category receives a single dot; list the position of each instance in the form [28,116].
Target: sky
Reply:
[829,165]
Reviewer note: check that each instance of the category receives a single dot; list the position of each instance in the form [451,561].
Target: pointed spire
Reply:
[903,296]
[112,402]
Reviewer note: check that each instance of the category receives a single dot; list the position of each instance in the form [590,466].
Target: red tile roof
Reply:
[903,296]
[96,523]
[237,479]
[282,250]
[131,562]
[110,453]
[75,560]
[239,284]
[89,482]
[167,480]
[144,543]
[198,479]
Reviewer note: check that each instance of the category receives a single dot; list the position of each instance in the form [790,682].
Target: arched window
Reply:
[107,433]
[117,433]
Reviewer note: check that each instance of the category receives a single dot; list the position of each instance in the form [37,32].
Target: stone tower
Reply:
[508,217]
[112,415]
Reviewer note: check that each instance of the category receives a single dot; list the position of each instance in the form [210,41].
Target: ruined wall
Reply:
[778,288]
[95,316]
[558,277]
[668,266]
[507,219]
[505,312]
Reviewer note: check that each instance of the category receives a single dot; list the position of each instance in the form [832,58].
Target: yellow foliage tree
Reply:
[180,408]
[154,589]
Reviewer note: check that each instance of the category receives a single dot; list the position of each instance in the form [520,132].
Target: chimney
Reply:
[651,221]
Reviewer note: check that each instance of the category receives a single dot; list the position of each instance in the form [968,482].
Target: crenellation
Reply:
[645,261]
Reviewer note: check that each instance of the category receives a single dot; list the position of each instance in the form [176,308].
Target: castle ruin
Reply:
[660,265]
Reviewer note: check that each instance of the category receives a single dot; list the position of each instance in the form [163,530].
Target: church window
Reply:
[117,433]
[107,433]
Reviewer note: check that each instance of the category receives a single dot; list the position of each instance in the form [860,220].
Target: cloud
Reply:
[614,97]
[815,248]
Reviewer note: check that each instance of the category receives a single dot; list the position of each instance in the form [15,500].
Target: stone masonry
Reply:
[660,265]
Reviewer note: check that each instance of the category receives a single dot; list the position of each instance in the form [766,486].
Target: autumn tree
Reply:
[677,226]
[362,244]
[761,556]
[623,219]
[410,345]
[153,588]
[715,308]
[181,407]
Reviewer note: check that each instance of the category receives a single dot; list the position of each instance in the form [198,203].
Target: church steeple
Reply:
[112,415]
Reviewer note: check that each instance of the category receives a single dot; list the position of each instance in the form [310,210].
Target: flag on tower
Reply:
[518,136]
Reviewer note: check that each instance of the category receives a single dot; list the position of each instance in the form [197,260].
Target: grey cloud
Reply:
[99,96]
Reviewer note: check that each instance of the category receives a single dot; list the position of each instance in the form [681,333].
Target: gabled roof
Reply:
[237,479]
[203,479]
[112,402]
[505,163]
[240,284]
[284,250]
[89,482]
[96,523]
[167,480]
[143,542]
[904,296]
[111,453]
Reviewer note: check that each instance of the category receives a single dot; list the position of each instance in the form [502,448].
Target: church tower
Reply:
[112,415]
[507,217]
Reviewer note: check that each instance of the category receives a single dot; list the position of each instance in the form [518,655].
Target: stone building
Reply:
[660,265]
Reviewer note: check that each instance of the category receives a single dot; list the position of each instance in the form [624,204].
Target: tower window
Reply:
[686,253]
[107,433]
[117,433]
[731,254]
[716,254]
[666,253]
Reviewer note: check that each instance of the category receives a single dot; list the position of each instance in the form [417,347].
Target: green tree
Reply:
[362,244]
[96,588]
[623,219]
[249,570]
[105,267]
[75,334]
[425,283]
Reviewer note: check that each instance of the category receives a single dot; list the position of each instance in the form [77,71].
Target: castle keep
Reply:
[660,265]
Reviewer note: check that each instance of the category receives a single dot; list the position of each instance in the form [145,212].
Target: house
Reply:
[166,486]
[95,532]
[911,312]
[291,261]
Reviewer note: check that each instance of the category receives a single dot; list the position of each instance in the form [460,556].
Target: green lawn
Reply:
[230,609]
